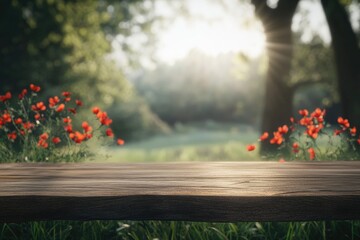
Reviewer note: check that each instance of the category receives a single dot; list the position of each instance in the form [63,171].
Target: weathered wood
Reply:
[241,191]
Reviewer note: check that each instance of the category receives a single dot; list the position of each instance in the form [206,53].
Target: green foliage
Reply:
[64,44]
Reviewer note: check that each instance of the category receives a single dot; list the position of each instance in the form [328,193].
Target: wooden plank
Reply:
[221,191]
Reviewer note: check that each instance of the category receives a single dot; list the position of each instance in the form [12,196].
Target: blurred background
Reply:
[187,80]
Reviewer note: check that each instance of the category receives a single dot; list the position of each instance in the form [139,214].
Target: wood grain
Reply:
[221,191]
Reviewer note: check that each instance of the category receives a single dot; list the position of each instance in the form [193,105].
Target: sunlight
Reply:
[210,38]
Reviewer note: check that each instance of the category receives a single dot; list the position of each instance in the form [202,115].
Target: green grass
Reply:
[139,230]
[208,142]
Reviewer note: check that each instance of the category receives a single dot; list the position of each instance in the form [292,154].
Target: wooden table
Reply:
[206,191]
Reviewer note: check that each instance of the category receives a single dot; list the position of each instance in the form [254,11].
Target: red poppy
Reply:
[72,110]
[344,122]
[67,120]
[18,121]
[12,136]
[353,131]
[56,140]
[53,101]
[295,147]
[109,132]
[66,94]
[68,128]
[264,136]
[6,118]
[22,94]
[277,139]
[283,130]
[87,128]
[304,112]
[44,136]
[60,108]
[6,97]
[38,107]
[95,110]
[120,141]
[311,152]
[35,88]
[28,125]
[78,102]
[250,147]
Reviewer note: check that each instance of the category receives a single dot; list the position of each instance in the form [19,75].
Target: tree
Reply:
[347,58]
[278,94]
[63,44]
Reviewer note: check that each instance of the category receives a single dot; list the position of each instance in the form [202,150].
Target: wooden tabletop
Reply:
[206,191]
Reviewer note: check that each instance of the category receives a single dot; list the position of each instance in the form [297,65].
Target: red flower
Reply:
[28,125]
[358,141]
[353,131]
[295,147]
[6,118]
[37,116]
[68,128]
[56,140]
[344,122]
[120,141]
[277,139]
[87,128]
[18,121]
[109,132]
[43,143]
[72,110]
[60,108]
[313,131]
[12,136]
[95,110]
[22,94]
[38,107]
[283,130]
[35,88]
[250,147]
[67,120]
[103,118]
[78,137]
[44,136]
[43,140]
[292,120]
[53,101]
[264,136]
[5,97]
[306,121]
[338,132]
[66,94]
[304,112]
[311,152]
[78,102]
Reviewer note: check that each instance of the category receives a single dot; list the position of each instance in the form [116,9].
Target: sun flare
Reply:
[210,38]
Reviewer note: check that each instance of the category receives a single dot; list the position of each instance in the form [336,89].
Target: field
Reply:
[196,142]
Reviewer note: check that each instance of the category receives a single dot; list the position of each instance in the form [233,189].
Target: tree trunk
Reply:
[347,58]
[278,93]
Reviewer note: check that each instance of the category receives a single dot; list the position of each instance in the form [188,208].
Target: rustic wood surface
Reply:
[222,191]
